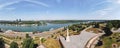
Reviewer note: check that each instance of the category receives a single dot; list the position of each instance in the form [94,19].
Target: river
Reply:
[40,28]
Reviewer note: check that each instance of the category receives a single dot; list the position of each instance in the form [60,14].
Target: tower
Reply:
[67,38]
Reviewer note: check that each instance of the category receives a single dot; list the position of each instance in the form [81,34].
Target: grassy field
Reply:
[108,41]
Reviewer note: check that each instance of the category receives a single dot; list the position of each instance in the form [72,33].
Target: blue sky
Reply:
[59,9]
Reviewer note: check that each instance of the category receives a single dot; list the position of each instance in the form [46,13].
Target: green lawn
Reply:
[109,40]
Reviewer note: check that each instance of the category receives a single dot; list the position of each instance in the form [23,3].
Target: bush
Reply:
[26,43]
[2,45]
[43,40]
[14,45]
[27,36]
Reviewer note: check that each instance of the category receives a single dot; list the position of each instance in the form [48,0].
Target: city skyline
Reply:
[59,9]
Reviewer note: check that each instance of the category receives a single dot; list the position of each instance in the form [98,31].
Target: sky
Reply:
[60,9]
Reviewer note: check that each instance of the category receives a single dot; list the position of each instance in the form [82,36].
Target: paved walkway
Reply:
[91,43]
[118,30]
[78,41]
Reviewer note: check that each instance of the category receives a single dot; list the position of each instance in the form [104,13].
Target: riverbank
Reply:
[18,37]
[32,34]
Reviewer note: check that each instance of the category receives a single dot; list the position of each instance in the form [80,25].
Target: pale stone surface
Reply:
[40,46]
[77,41]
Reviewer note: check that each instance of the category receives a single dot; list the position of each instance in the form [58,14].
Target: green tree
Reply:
[31,44]
[115,23]
[27,36]
[109,25]
[2,45]
[96,25]
[43,40]
[27,42]
[14,45]
[107,31]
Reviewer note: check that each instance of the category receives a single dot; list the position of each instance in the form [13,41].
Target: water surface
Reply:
[34,28]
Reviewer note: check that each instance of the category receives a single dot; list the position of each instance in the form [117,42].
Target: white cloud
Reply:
[4,5]
[99,4]
[102,12]
[8,4]
[36,2]
[107,11]
[114,1]
[117,1]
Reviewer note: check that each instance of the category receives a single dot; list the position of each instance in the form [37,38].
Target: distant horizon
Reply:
[62,19]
